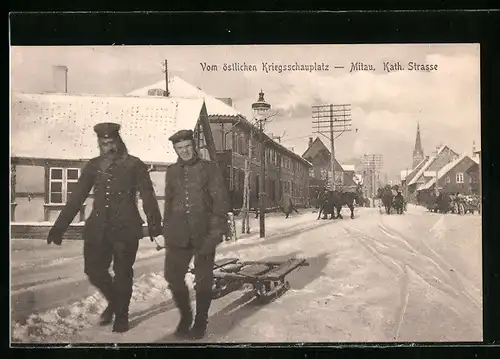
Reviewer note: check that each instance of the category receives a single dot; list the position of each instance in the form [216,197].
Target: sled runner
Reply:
[266,279]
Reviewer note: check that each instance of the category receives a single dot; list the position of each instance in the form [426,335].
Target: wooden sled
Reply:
[266,279]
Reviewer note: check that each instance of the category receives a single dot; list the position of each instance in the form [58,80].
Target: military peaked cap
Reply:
[181,135]
[107,130]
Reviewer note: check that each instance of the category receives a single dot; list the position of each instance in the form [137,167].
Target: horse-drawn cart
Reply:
[465,204]
[266,279]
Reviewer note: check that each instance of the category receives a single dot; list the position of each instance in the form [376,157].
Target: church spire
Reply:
[418,152]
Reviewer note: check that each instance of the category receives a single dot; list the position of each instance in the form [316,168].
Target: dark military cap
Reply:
[107,130]
[181,135]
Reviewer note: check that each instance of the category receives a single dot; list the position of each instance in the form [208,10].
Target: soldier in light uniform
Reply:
[195,218]
[114,227]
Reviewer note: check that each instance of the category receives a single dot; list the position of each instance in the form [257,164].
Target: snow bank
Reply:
[57,324]
[438,230]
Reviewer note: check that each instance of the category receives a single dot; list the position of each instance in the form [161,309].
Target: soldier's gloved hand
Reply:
[54,237]
[159,240]
[154,232]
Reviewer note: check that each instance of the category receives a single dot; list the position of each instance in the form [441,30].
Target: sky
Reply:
[385,106]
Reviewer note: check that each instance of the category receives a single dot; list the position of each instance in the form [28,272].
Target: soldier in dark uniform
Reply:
[114,227]
[195,218]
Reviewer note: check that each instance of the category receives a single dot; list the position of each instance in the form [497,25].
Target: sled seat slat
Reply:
[266,263]
[254,270]
[224,262]
[284,269]
[228,275]
[229,268]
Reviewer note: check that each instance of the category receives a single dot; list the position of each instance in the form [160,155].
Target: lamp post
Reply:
[260,109]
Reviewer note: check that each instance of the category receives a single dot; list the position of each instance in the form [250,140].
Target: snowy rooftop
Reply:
[429,173]
[429,162]
[443,171]
[179,88]
[60,126]
[348,168]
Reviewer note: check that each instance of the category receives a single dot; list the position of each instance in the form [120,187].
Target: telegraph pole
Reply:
[334,119]
[261,108]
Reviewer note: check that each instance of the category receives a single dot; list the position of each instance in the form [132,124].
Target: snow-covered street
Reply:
[411,277]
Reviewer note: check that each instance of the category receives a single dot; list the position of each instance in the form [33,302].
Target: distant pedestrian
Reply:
[114,227]
[399,203]
[196,207]
[287,204]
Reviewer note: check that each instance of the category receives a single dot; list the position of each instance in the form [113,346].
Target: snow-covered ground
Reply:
[415,277]
[47,280]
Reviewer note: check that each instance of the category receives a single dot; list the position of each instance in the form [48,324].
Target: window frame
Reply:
[459,177]
[64,183]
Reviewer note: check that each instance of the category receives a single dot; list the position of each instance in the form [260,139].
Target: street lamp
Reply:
[260,110]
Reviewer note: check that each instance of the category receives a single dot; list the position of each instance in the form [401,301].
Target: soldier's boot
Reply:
[121,323]
[107,315]
[182,301]
[105,286]
[203,301]
[123,294]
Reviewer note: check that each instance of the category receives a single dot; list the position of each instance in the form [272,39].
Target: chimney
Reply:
[310,141]
[474,149]
[60,78]
[166,93]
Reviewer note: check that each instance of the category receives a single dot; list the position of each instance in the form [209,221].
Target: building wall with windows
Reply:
[320,174]
[461,175]
[45,168]
[231,132]
[285,170]
[463,178]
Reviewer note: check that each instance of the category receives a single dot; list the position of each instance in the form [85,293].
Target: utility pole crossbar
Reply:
[329,120]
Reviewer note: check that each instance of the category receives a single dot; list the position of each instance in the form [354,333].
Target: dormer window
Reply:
[156,92]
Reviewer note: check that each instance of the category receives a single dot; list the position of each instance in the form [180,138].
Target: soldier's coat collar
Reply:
[191,162]
[105,162]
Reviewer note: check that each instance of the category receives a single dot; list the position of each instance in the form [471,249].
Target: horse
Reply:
[340,199]
[325,200]
[387,197]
